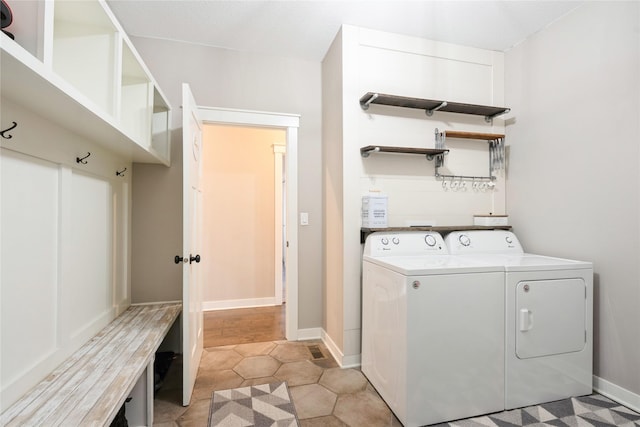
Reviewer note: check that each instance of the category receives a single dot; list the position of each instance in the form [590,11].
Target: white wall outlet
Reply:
[304,218]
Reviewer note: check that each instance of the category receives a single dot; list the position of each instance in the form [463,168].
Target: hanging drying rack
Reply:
[496,154]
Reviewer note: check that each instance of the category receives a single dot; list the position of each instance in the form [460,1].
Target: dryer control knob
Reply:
[385,241]
[395,240]
[508,239]
[464,240]
[430,240]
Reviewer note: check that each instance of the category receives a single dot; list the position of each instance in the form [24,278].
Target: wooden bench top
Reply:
[89,387]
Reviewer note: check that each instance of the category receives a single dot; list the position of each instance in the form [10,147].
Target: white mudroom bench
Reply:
[90,387]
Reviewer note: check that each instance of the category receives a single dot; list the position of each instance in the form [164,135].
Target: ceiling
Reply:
[304,29]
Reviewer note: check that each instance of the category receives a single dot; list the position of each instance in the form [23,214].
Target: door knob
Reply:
[194,258]
[178,259]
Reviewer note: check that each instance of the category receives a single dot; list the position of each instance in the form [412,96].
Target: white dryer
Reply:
[548,318]
[432,329]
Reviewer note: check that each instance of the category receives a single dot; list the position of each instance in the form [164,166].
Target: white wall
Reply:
[372,61]
[64,255]
[238,174]
[229,79]
[574,161]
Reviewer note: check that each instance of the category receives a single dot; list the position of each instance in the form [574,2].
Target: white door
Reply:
[192,322]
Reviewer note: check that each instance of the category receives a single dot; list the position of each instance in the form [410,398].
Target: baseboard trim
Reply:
[238,303]
[343,361]
[614,392]
[310,334]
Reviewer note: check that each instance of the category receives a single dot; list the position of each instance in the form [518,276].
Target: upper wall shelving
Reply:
[82,72]
[431,105]
[429,152]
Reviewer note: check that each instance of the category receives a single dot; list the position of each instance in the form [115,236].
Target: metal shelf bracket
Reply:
[489,119]
[430,112]
[365,105]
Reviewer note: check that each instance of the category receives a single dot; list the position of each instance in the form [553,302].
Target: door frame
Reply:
[290,123]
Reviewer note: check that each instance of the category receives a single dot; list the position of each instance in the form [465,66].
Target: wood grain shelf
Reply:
[431,105]
[429,152]
[472,135]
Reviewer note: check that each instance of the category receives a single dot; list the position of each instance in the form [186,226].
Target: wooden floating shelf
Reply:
[429,152]
[472,135]
[431,105]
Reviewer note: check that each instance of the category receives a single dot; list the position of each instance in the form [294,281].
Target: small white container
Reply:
[491,220]
[374,210]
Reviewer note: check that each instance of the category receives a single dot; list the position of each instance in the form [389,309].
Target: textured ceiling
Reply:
[304,29]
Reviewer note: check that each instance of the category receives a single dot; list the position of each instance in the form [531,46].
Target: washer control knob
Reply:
[508,239]
[395,240]
[464,240]
[430,240]
[384,241]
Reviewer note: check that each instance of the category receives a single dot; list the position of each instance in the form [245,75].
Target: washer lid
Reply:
[431,265]
[528,262]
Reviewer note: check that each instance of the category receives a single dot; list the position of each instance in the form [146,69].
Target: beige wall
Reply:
[238,174]
[574,182]
[228,79]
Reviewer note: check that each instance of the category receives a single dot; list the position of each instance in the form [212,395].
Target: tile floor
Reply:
[247,347]
[323,393]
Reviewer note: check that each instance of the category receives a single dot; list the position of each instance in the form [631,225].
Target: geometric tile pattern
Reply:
[587,411]
[261,406]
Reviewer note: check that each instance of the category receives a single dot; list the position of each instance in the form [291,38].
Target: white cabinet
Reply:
[77,88]
[72,63]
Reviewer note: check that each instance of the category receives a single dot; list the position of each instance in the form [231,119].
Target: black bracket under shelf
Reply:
[432,105]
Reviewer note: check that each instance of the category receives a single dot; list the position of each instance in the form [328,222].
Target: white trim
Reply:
[278,156]
[178,301]
[614,392]
[238,303]
[257,118]
[343,361]
[310,334]
[290,122]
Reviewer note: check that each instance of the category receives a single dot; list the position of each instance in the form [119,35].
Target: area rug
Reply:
[266,405]
[587,411]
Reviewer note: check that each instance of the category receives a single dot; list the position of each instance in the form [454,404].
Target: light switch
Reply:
[304,218]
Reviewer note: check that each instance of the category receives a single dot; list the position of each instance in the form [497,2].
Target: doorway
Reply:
[288,126]
[242,168]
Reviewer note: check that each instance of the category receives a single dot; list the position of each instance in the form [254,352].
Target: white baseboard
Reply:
[343,361]
[614,392]
[310,334]
[238,303]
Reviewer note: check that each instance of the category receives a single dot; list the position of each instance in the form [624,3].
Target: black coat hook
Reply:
[13,126]
[121,173]
[82,160]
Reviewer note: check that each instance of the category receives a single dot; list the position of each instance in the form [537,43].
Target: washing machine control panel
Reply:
[405,244]
[482,241]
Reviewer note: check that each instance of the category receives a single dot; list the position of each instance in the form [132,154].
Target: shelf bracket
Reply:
[430,112]
[367,153]
[489,119]
[365,105]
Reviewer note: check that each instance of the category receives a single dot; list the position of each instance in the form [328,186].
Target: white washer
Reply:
[432,329]
[548,318]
